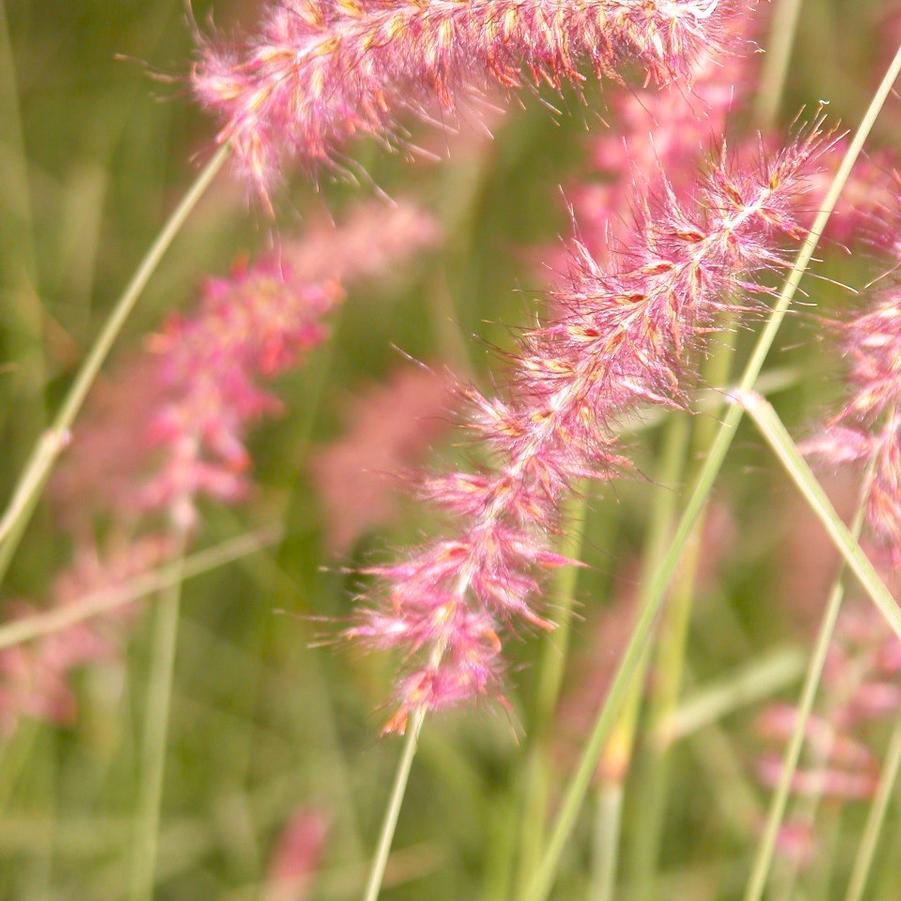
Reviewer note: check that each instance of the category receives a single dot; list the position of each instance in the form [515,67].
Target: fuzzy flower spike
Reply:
[322,71]
[622,338]
[868,428]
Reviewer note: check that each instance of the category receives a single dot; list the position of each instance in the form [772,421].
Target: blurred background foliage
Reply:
[98,139]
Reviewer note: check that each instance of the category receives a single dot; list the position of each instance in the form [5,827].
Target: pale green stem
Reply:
[616,758]
[395,802]
[99,602]
[863,860]
[605,850]
[794,463]
[54,439]
[829,844]
[154,740]
[671,645]
[735,796]
[631,660]
[777,436]
[776,61]
[550,676]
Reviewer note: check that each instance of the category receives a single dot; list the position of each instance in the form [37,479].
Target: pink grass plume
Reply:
[320,72]
[620,337]
[390,428]
[295,860]
[172,425]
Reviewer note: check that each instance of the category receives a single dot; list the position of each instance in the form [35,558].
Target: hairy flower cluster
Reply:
[862,684]
[670,130]
[34,678]
[868,427]
[173,427]
[322,71]
[622,336]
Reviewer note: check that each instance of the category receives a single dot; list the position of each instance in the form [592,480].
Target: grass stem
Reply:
[863,860]
[766,847]
[616,759]
[154,741]
[780,441]
[550,676]
[97,603]
[55,438]
[669,662]
[774,71]
[395,802]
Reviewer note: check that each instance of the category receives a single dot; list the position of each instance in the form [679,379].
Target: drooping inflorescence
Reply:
[322,71]
[171,426]
[622,335]
[34,677]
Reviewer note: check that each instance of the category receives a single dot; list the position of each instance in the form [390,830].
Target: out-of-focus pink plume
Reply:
[390,428]
[321,71]
[296,857]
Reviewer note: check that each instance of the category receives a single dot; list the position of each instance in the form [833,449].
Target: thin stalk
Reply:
[54,439]
[863,860]
[774,71]
[735,796]
[669,663]
[616,758]
[777,436]
[550,676]
[395,802]
[631,660]
[605,849]
[766,847]
[153,750]
[97,603]
[829,844]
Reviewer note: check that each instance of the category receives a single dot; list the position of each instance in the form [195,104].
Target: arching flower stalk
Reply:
[623,336]
[321,71]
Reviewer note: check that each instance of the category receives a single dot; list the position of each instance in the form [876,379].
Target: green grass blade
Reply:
[780,441]
[866,851]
